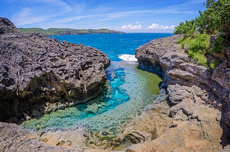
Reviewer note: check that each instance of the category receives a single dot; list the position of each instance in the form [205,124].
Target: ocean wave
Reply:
[127,57]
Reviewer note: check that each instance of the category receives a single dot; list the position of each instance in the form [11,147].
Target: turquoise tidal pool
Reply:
[126,92]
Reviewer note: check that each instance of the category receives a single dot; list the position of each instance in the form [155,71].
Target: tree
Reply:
[185,28]
[201,22]
[209,3]
[218,16]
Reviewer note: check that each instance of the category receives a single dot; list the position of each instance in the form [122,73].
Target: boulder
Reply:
[37,72]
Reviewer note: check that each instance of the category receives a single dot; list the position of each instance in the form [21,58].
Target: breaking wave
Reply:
[127,57]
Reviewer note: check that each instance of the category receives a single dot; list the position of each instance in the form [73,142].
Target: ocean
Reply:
[126,92]
[118,47]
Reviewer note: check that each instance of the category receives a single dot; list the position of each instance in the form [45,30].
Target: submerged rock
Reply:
[39,74]
[92,108]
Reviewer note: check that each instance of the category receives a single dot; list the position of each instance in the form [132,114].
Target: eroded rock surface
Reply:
[6,26]
[197,104]
[191,112]
[39,74]
[151,124]
[12,140]
[79,136]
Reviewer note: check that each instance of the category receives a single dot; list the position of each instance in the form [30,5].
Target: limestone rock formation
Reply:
[39,74]
[151,124]
[197,103]
[191,112]
[79,136]
[12,139]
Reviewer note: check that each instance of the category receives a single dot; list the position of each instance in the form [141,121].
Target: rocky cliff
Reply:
[192,111]
[39,74]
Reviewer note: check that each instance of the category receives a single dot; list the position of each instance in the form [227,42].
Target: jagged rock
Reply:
[37,72]
[197,98]
[181,72]
[186,136]
[76,139]
[12,139]
[79,136]
[151,124]
[6,26]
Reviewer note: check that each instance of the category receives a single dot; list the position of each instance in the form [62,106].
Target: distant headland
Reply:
[68,31]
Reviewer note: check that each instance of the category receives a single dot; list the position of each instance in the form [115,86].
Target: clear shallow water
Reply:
[127,90]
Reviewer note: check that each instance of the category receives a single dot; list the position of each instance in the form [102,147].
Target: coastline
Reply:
[197,107]
[190,112]
[66,31]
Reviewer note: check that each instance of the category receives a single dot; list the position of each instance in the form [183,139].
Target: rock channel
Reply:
[191,112]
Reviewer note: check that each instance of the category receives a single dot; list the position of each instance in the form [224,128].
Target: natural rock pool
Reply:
[127,91]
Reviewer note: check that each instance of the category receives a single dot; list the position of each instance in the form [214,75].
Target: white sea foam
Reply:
[127,57]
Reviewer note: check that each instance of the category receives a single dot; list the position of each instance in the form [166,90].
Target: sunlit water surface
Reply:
[126,92]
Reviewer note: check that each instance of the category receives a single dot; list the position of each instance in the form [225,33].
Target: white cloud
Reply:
[25,17]
[131,27]
[172,27]
[34,14]
[157,26]
[137,22]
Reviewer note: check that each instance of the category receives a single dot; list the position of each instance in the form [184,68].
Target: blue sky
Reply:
[148,16]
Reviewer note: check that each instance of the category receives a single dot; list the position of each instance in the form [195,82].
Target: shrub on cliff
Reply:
[218,17]
[197,31]
[218,45]
[198,48]
[186,28]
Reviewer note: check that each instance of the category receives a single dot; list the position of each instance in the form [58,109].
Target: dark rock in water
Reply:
[37,72]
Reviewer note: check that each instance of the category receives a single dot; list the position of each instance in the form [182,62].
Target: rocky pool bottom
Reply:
[127,91]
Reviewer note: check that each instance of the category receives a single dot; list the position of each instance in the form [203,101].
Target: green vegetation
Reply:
[218,45]
[198,48]
[108,138]
[214,64]
[196,40]
[66,31]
